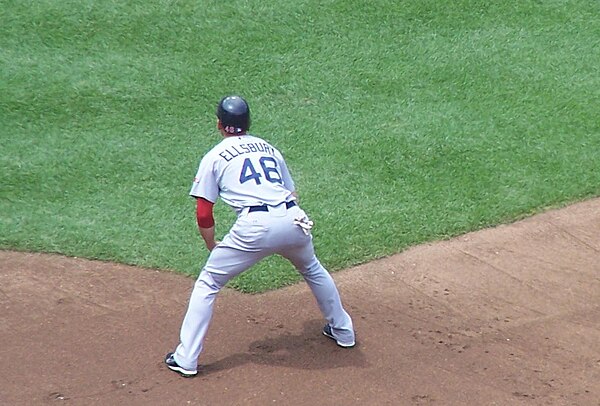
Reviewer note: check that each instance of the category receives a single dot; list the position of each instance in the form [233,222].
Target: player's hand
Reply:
[305,223]
[212,244]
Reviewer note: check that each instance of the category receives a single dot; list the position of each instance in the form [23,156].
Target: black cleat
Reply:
[328,333]
[172,365]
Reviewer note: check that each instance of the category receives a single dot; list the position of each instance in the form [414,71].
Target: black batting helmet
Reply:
[234,114]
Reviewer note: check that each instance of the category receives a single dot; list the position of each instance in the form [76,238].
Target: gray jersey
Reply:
[244,171]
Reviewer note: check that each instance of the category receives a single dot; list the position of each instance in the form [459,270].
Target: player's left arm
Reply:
[206,190]
[206,222]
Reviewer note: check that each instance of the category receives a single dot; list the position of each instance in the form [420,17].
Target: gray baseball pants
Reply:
[254,236]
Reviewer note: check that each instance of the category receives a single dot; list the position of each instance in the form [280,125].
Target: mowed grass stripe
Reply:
[401,122]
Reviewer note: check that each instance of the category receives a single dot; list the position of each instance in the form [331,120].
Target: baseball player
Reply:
[251,176]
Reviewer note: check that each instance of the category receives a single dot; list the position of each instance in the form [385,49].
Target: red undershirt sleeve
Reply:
[204,213]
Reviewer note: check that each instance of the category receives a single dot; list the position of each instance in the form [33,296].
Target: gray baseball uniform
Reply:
[251,176]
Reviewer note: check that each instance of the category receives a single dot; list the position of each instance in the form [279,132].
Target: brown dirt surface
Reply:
[503,316]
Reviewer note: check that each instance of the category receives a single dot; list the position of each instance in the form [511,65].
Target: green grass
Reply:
[402,122]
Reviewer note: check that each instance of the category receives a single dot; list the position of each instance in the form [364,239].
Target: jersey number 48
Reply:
[269,171]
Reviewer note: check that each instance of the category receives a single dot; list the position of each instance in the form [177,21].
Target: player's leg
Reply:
[224,263]
[240,249]
[323,288]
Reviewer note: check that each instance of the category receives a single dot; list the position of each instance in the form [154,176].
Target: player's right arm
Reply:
[286,177]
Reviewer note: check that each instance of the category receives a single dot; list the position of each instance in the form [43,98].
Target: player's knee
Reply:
[208,281]
[312,268]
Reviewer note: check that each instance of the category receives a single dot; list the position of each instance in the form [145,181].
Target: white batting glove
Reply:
[305,223]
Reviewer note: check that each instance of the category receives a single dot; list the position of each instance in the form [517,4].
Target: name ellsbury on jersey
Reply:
[236,150]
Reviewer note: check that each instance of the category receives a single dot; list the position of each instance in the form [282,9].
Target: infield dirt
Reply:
[503,316]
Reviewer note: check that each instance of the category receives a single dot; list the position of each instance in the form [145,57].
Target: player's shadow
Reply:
[308,350]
